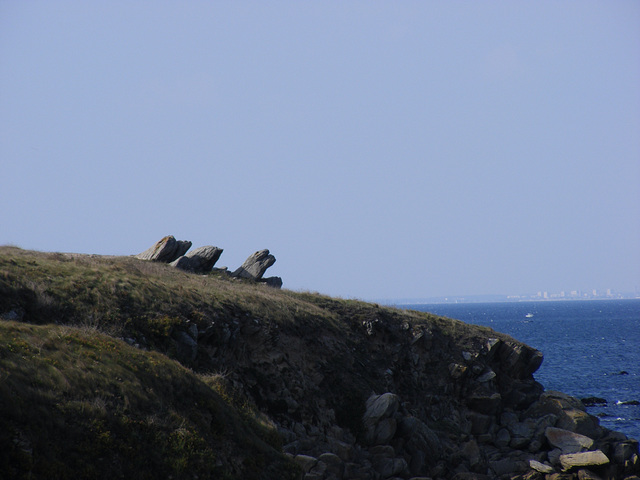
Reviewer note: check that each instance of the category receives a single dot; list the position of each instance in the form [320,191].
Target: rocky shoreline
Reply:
[444,405]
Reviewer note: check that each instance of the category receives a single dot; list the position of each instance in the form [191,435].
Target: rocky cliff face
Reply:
[411,397]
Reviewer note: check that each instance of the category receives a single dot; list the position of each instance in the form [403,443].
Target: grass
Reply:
[77,403]
[123,295]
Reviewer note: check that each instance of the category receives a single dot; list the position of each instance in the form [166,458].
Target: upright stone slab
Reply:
[255,266]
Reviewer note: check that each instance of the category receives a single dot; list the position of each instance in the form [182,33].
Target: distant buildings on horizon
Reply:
[541,296]
[593,294]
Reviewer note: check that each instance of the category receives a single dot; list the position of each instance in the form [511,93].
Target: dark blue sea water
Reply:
[591,348]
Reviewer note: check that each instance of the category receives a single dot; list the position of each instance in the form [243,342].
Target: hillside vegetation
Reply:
[114,367]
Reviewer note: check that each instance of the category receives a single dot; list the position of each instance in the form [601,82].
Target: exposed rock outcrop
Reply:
[200,260]
[165,250]
[254,267]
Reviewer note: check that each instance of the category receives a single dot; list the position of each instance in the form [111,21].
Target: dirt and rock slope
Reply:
[113,367]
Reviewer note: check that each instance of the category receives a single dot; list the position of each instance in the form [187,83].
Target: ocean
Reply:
[590,348]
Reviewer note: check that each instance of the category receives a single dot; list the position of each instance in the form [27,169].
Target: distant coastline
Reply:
[539,297]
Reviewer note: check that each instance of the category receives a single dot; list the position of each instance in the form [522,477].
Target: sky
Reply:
[378,149]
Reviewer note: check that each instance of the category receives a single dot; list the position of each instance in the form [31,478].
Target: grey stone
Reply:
[568,442]
[387,467]
[186,347]
[343,449]
[274,282]
[480,423]
[165,250]
[491,347]
[291,448]
[192,330]
[588,475]
[314,476]
[624,451]
[520,394]
[306,462]
[541,467]
[384,431]
[554,456]
[487,376]
[380,406]
[335,465]
[200,260]
[382,451]
[255,266]
[519,443]
[488,404]
[553,402]
[319,468]
[518,359]
[17,314]
[471,453]
[420,438]
[521,429]
[583,459]
[503,438]
[576,420]
[508,465]
[417,462]
[508,418]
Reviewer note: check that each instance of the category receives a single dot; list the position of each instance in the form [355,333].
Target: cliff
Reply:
[115,367]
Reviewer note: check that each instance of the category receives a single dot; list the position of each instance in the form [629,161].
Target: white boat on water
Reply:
[529,315]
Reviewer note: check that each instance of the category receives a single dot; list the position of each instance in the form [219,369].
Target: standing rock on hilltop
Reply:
[255,266]
[200,260]
[165,250]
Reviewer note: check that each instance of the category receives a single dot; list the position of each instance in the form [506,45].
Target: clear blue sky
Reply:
[378,149]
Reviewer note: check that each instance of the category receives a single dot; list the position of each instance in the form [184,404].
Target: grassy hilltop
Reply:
[78,400]
[114,367]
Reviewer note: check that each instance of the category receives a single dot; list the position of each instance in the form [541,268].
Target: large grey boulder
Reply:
[419,437]
[583,459]
[255,266]
[200,260]
[165,250]
[568,442]
[379,407]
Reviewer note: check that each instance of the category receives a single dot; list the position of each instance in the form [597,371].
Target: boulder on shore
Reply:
[583,459]
[254,267]
[567,441]
[165,250]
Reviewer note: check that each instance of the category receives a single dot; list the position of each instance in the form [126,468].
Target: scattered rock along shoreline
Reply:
[359,391]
